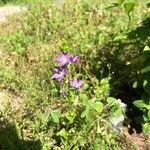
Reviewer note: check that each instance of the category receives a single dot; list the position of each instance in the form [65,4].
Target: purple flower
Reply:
[66,58]
[58,69]
[74,58]
[75,83]
[63,58]
[60,73]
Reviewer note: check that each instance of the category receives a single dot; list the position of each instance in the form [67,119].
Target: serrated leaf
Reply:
[56,114]
[98,106]
[146,69]
[129,7]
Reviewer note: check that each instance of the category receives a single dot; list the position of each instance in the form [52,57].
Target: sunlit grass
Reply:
[30,41]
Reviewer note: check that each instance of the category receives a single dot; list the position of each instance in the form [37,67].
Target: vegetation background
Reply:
[112,41]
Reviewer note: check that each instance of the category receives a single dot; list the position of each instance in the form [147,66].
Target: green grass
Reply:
[30,42]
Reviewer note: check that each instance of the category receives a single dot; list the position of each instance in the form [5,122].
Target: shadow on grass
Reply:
[9,139]
[118,53]
[142,32]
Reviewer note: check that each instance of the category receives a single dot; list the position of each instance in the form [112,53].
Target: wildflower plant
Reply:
[67,100]
[89,116]
[64,62]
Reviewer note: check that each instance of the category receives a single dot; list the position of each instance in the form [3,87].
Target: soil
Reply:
[140,141]
[9,99]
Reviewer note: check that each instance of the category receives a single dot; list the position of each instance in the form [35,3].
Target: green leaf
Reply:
[145,118]
[96,146]
[45,117]
[85,112]
[140,104]
[72,96]
[146,69]
[118,112]
[63,133]
[70,115]
[56,114]
[146,127]
[84,99]
[145,83]
[76,100]
[135,84]
[146,48]
[98,106]
[111,100]
[148,114]
[129,7]
[120,37]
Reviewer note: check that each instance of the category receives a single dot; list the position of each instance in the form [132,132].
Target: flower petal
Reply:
[75,58]
[75,83]
[56,76]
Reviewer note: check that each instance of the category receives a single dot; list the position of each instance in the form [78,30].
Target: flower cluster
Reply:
[63,60]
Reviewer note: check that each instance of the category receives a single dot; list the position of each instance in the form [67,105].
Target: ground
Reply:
[15,101]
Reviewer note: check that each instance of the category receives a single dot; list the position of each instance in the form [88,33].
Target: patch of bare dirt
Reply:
[8,11]
[140,141]
[9,100]
[3,99]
